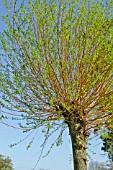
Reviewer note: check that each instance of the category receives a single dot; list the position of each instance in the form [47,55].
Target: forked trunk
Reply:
[77,133]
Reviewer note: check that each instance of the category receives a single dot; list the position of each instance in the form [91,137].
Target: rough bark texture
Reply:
[77,132]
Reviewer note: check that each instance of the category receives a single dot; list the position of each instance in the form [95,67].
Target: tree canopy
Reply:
[108,142]
[57,68]
[5,163]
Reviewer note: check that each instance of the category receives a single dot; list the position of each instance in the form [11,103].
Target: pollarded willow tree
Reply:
[56,69]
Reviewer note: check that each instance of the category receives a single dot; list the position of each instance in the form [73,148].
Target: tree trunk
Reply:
[77,132]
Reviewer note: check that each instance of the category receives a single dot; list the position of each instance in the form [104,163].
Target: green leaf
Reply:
[51,101]
[29,145]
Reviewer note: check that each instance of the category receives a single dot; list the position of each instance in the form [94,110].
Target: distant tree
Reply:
[94,165]
[110,165]
[108,141]
[43,169]
[5,163]
[57,69]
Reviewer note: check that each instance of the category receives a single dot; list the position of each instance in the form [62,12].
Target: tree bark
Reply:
[77,132]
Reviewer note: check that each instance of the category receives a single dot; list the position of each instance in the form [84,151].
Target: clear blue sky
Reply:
[24,159]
